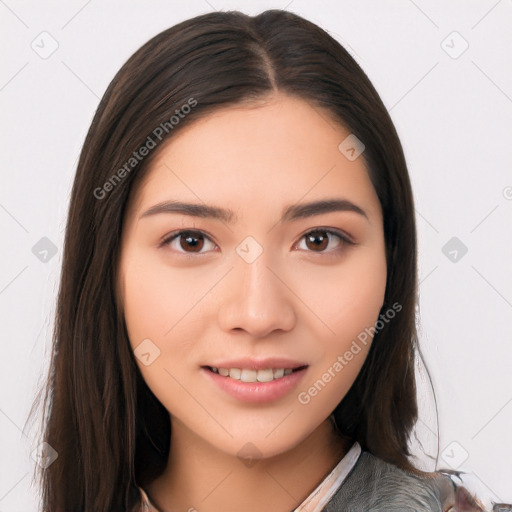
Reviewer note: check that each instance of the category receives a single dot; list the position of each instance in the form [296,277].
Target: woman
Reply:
[236,316]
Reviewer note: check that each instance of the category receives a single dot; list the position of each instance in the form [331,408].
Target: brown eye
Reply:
[189,241]
[193,241]
[319,239]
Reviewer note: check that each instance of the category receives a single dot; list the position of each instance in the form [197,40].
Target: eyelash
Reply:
[344,240]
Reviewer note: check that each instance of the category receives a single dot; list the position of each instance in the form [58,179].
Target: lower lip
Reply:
[256,392]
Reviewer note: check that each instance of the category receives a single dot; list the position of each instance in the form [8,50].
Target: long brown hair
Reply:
[109,430]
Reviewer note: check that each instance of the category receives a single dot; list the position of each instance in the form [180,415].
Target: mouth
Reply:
[251,375]
[267,381]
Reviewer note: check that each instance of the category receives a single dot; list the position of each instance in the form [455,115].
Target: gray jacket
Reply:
[377,486]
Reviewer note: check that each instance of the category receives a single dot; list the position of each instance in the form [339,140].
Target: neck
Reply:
[199,477]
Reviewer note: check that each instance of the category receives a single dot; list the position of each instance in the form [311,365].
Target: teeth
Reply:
[235,373]
[246,375]
[278,373]
[264,375]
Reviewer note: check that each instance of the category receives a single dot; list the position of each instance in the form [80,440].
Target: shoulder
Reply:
[375,485]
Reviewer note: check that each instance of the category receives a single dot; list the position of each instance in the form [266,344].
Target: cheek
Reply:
[158,305]
[156,299]
[360,295]
[347,300]
[147,310]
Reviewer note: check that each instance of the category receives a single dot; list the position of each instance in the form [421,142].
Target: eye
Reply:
[318,239]
[192,241]
[184,240]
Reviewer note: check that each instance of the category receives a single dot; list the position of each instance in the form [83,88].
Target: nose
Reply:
[256,299]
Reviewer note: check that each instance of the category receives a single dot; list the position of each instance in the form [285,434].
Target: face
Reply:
[268,283]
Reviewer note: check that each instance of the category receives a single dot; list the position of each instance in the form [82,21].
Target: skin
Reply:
[297,299]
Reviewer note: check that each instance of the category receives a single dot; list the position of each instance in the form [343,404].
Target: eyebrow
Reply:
[290,213]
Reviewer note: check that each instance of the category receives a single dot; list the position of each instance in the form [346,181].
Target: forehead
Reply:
[258,158]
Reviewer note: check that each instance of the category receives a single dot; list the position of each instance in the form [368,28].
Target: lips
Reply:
[254,390]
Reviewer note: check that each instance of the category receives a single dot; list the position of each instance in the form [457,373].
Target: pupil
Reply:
[190,241]
[321,238]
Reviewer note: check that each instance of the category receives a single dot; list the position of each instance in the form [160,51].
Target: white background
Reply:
[453,116]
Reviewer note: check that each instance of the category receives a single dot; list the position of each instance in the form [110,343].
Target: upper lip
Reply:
[259,364]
